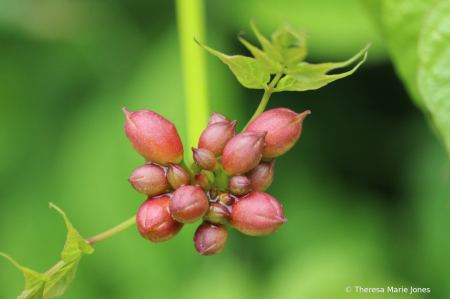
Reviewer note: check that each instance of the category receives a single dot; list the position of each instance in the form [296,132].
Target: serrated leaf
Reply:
[304,71]
[61,280]
[264,62]
[290,84]
[34,281]
[244,68]
[433,75]
[75,244]
[267,46]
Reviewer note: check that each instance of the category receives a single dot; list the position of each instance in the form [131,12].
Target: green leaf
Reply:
[61,280]
[264,62]
[34,281]
[244,68]
[267,46]
[75,244]
[304,71]
[291,43]
[433,75]
[290,84]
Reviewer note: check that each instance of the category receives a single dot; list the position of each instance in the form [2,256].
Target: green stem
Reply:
[55,268]
[113,231]
[265,98]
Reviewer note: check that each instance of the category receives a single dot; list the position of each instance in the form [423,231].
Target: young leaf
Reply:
[244,68]
[75,244]
[264,62]
[290,84]
[34,281]
[433,75]
[304,71]
[267,46]
[291,43]
[61,280]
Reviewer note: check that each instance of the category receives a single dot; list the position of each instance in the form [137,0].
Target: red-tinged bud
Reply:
[216,136]
[217,213]
[226,198]
[155,222]
[210,239]
[177,176]
[239,185]
[261,176]
[243,152]
[217,118]
[257,214]
[213,193]
[283,127]
[153,137]
[205,159]
[149,179]
[202,181]
[188,204]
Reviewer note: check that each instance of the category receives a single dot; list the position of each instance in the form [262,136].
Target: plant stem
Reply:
[265,99]
[113,231]
[55,268]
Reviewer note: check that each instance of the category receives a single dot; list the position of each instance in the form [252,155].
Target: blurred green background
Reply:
[366,188]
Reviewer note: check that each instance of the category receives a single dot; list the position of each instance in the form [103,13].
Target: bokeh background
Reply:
[366,188]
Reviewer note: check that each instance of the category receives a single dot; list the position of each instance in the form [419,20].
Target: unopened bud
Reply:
[261,176]
[213,193]
[205,159]
[239,185]
[217,213]
[210,239]
[257,214]
[216,136]
[202,181]
[154,221]
[283,127]
[243,152]
[217,118]
[153,137]
[188,204]
[177,176]
[226,198]
[149,179]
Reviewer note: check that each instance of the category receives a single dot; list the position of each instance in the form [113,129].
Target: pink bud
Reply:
[177,176]
[215,137]
[188,204]
[154,221]
[217,213]
[202,181]
[210,239]
[213,193]
[243,152]
[283,127]
[149,179]
[226,198]
[239,185]
[257,214]
[261,176]
[217,118]
[153,137]
[205,159]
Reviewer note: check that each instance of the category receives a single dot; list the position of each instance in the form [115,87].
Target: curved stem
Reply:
[113,231]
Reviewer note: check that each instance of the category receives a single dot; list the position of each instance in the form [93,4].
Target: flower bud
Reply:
[202,181]
[217,118]
[283,127]
[257,214]
[205,159]
[177,176]
[213,193]
[154,221]
[215,137]
[210,239]
[261,176]
[226,198]
[153,137]
[243,152]
[149,179]
[217,213]
[188,204]
[239,185]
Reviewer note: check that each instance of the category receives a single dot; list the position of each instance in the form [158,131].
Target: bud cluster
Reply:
[229,176]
